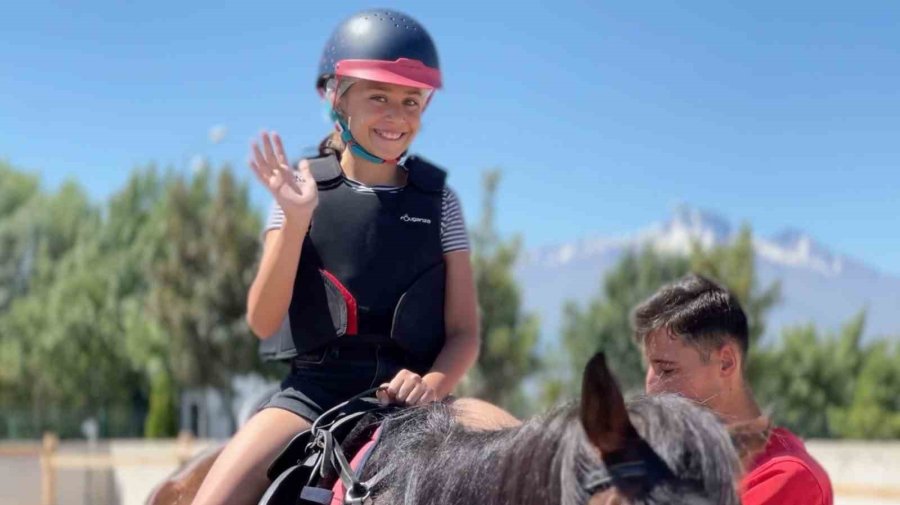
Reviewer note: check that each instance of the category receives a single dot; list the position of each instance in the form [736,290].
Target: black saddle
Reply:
[307,468]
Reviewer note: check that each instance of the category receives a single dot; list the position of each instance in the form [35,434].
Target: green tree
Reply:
[508,336]
[202,268]
[133,238]
[60,346]
[18,193]
[161,419]
[874,407]
[809,378]
[110,297]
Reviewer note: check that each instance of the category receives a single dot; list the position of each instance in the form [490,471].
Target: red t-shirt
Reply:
[784,473]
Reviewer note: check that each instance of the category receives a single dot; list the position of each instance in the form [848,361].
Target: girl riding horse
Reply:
[365,276]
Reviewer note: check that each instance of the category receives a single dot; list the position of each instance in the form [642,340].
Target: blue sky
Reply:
[603,115]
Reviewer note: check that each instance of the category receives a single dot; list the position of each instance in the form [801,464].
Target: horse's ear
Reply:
[603,414]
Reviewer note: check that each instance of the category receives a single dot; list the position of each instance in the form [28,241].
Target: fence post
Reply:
[48,473]
[183,446]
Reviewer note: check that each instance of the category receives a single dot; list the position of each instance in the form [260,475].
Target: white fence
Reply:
[122,472]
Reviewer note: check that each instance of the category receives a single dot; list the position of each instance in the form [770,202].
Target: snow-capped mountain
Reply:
[794,248]
[818,285]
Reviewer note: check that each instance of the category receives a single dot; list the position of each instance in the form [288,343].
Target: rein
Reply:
[322,439]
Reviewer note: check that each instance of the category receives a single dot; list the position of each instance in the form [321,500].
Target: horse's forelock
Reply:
[693,444]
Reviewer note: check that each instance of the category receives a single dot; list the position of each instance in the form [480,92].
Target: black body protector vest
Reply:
[371,268]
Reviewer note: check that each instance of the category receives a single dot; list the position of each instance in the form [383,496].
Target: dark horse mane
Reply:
[431,458]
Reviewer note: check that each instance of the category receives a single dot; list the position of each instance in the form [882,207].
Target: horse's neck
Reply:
[438,463]
[524,464]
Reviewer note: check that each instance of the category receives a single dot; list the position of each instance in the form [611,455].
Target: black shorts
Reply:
[320,380]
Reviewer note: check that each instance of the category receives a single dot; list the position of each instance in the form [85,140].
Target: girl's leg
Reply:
[482,415]
[239,474]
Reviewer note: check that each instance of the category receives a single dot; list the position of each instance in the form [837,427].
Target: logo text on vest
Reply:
[406,218]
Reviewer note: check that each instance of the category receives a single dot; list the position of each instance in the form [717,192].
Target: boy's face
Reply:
[675,366]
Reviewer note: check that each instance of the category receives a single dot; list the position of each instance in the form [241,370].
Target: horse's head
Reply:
[653,450]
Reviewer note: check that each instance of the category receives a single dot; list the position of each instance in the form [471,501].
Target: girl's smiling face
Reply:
[383,118]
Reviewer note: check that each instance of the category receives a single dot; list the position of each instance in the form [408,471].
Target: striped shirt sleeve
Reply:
[454,236]
[275,221]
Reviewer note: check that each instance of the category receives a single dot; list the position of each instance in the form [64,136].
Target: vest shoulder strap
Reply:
[325,169]
[425,175]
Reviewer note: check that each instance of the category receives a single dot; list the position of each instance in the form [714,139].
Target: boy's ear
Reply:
[729,359]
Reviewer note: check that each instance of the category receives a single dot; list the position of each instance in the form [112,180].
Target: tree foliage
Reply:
[109,310]
[98,300]
[508,335]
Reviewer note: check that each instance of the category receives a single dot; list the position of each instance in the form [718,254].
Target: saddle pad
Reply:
[357,464]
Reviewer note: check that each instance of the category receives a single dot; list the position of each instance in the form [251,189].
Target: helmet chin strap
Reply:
[354,146]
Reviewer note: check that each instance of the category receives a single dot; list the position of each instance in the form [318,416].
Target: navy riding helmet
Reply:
[378,45]
[381,45]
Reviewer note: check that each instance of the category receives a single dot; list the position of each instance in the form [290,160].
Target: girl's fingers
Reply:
[268,178]
[393,388]
[415,396]
[386,396]
[279,150]
[260,160]
[407,389]
[276,180]
[257,171]
[297,180]
[428,397]
[382,396]
[307,182]
[269,151]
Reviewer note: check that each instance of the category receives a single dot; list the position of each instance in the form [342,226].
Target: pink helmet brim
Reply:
[402,72]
